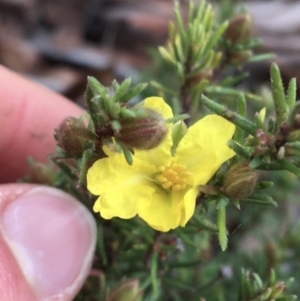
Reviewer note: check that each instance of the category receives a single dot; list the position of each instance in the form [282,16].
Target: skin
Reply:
[28,115]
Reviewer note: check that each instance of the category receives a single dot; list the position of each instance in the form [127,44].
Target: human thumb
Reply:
[47,240]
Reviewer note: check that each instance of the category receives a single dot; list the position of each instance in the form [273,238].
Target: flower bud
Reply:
[209,189]
[241,57]
[205,74]
[40,173]
[277,290]
[239,28]
[73,137]
[146,131]
[239,181]
[126,291]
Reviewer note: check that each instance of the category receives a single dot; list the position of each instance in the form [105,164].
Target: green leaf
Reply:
[262,57]
[290,282]
[255,162]
[121,90]
[272,278]
[242,111]
[242,293]
[185,238]
[222,231]
[272,125]
[127,113]
[238,149]
[287,298]
[191,14]
[179,49]
[161,88]
[264,296]
[96,87]
[260,199]
[199,88]
[134,92]
[258,281]
[167,55]
[204,223]
[230,81]
[177,118]
[259,122]
[66,169]
[225,91]
[235,118]
[179,22]
[287,165]
[84,168]
[115,85]
[278,95]
[291,96]
[180,72]
[215,37]
[93,106]
[200,13]
[208,18]
[115,125]
[127,155]
[153,273]
[263,185]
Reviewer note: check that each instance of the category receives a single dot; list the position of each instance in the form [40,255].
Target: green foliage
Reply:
[253,288]
[198,71]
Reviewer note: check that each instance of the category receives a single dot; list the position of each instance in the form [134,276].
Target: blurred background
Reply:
[59,42]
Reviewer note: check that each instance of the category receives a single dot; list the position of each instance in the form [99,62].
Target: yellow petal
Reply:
[124,203]
[159,105]
[158,156]
[189,203]
[109,173]
[164,212]
[124,189]
[204,148]
[104,212]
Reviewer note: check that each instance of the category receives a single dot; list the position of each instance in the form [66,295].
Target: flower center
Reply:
[174,176]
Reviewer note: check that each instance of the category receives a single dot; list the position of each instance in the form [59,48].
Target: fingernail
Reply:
[52,236]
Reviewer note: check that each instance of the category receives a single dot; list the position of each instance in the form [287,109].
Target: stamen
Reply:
[162,179]
[166,185]
[174,176]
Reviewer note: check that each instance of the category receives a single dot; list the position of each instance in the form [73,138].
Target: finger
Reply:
[39,261]
[28,115]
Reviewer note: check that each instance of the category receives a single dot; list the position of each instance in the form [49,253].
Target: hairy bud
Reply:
[205,74]
[73,137]
[241,57]
[41,173]
[239,28]
[145,131]
[277,290]
[127,291]
[239,181]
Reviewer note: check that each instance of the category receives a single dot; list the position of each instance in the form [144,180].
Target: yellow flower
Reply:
[159,186]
